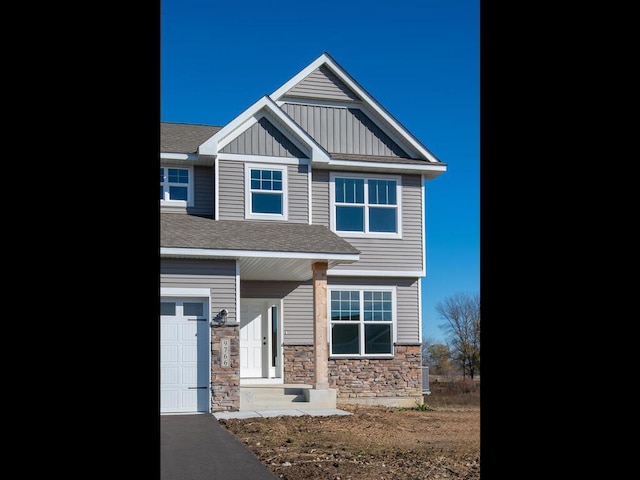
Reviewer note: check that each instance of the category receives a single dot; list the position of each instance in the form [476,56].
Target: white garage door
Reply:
[184,356]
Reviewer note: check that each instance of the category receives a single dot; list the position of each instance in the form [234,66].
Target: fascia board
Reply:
[397,167]
[236,254]
[326,60]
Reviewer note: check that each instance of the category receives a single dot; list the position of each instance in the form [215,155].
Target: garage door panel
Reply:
[169,376]
[189,330]
[190,399]
[189,353]
[168,331]
[184,357]
[169,353]
[190,376]
[169,399]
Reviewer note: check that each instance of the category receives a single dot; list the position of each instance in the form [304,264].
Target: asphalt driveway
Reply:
[197,447]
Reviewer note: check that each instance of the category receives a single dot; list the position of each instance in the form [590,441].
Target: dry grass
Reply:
[448,392]
[440,442]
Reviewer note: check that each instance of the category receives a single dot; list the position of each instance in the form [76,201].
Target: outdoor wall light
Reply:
[223,316]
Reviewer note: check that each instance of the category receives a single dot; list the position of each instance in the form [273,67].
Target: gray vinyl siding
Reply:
[381,253]
[320,197]
[203,191]
[297,307]
[298,193]
[263,138]
[323,84]
[343,130]
[231,185]
[217,275]
[231,196]
[407,307]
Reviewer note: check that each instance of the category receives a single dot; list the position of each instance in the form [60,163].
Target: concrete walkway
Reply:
[320,412]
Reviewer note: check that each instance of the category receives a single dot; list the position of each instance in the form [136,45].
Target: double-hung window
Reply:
[266,192]
[176,185]
[362,321]
[366,205]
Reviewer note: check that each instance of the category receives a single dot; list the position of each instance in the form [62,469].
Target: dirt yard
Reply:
[440,441]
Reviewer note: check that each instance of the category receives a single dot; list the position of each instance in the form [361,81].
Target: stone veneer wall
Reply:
[298,364]
[388,381]
[225,380]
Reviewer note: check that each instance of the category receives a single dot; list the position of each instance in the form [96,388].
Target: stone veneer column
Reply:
[321,345]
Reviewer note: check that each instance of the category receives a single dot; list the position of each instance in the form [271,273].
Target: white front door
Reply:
[184,355]
[260,339]
[251,338]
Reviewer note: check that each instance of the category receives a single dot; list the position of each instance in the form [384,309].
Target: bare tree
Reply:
[461,315]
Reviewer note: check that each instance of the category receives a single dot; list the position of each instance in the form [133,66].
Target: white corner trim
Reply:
[310,193]
[238,291]
[420,310]
[423,207]
[216,189]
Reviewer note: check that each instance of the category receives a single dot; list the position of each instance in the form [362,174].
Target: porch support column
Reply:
[320,342]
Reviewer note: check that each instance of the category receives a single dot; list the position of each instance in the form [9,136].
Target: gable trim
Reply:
[238,125]
[332,65]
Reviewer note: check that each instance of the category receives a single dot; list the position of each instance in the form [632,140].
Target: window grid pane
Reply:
[377,306]
[193,309]
[345,305]
[373,328]
[178,175]
[266,180]
[351,191]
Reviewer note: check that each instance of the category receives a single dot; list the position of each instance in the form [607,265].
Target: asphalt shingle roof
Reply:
[179,230]
[184,137]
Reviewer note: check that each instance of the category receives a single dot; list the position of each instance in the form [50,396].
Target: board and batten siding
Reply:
[217,275]
[297,307]
[407,306]
[263,138]
[322,83]
[231,185]
[343,130]
[380,253]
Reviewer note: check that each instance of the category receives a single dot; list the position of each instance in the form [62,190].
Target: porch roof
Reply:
[266,250]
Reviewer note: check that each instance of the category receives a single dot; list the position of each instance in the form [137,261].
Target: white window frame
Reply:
[248,214]
[190,187]
[366,178]
[362,323]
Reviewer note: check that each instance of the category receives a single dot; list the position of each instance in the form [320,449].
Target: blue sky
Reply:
[420,59]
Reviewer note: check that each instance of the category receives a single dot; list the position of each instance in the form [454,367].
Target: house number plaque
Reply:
[225,352]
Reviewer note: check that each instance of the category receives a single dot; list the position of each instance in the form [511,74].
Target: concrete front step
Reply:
[284,396]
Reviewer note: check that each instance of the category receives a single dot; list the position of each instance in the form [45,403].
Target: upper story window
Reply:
[266,192]
[366,205]
[362,321]
[176,186]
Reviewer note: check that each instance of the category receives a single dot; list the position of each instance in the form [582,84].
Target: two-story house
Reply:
[292,244]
